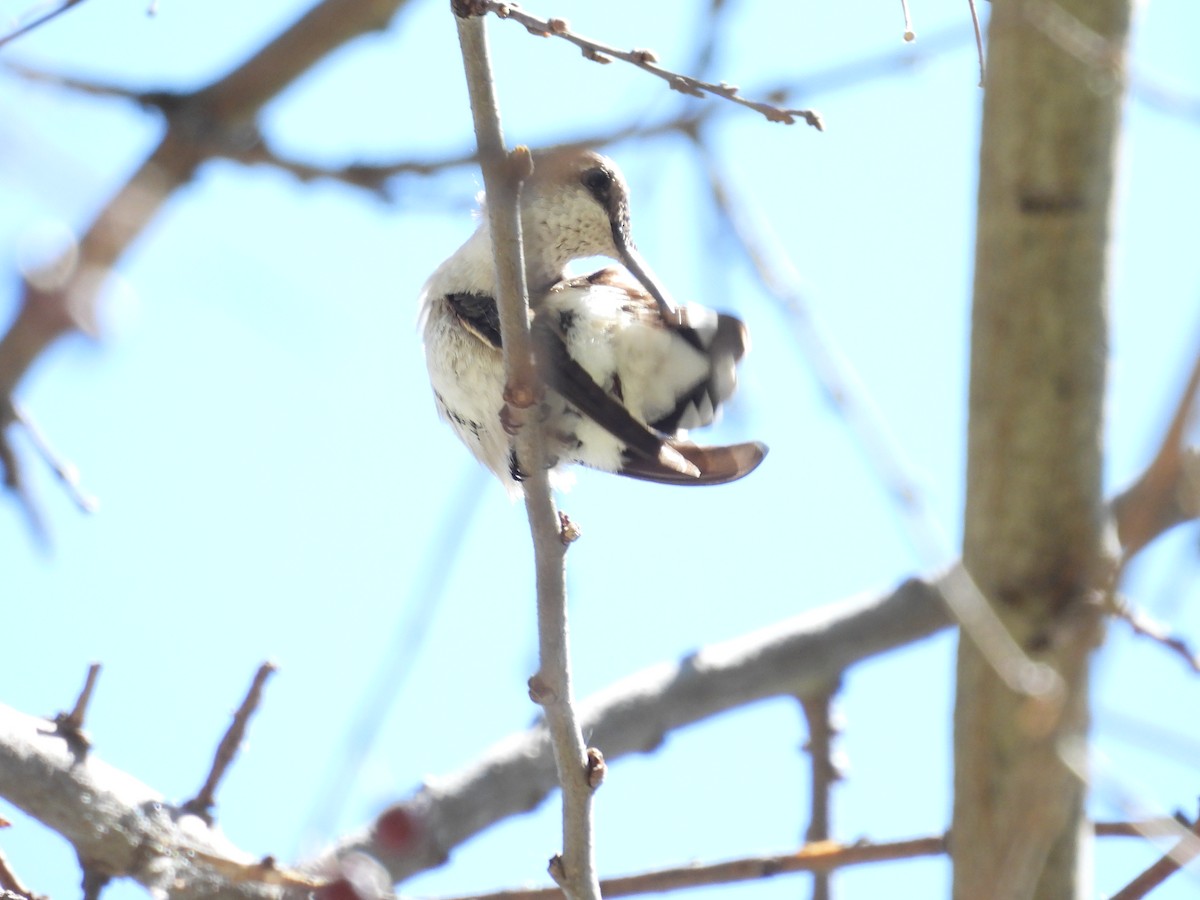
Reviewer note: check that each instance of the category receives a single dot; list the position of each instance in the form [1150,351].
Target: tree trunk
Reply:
[1033,536]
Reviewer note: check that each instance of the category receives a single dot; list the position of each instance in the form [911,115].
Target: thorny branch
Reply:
[643,59]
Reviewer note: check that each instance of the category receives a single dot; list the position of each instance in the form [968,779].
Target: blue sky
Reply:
[274,481]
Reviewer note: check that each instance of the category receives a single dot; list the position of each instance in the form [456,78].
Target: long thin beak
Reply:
[636,263]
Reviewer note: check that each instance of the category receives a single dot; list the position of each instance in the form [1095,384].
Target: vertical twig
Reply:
[822,729]
[202,804]
[578,768]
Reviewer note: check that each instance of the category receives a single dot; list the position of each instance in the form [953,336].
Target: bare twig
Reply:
[198,124]
[202,804]
[66,471]
[575,868]
[634,715]
[978,40]
[428,586]
[645,60]
[11,883]
[1164,494]
[1146,627]
[38,22]
[1186,850]
[832,371]
[822,858]
[822,729]
[69,726]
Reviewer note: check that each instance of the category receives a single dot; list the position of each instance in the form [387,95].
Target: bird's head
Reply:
[575,205]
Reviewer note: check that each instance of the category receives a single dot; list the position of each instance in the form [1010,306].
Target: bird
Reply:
[627,371]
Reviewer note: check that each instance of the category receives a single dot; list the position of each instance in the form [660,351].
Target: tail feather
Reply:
[716,465]
[724,341]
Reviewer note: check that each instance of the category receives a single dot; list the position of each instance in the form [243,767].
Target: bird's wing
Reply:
[478,314]
[566,376]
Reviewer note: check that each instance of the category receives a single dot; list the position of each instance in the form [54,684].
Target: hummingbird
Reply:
[627,371]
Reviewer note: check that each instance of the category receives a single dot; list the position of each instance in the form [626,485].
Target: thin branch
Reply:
[1143,625]
[834,374]
[822,729]
[820,858]
[789,659]
[643,59]
[1165,494]
[978,40]
[38,22]
[10,882]
[823,857]
[65,470]
[575,869]
[444,545]
[1186,850]
[202,804]
[69,726]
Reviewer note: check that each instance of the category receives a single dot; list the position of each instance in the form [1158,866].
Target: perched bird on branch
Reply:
[626,372]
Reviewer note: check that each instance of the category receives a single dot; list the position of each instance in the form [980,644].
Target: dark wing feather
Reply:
[478,314]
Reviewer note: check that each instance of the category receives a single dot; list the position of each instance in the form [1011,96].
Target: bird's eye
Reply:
[597,180]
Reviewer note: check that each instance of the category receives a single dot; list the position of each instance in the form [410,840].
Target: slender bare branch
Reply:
[792,658]
[1164,495]
[69,726]
[10,883]
[645,60]
[1186,850]
[820,858]
[202,804]
[820,718]
[575,868]
[38,22]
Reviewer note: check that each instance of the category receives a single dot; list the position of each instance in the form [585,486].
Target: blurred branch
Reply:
[645,60]
[820,858]
[820,717]
[144,837]
[198,124]
[833,373]
[1186,850]
[575,869]
[793,658]
[41,20]
[1144,626]
[1167,493]
[11,887]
